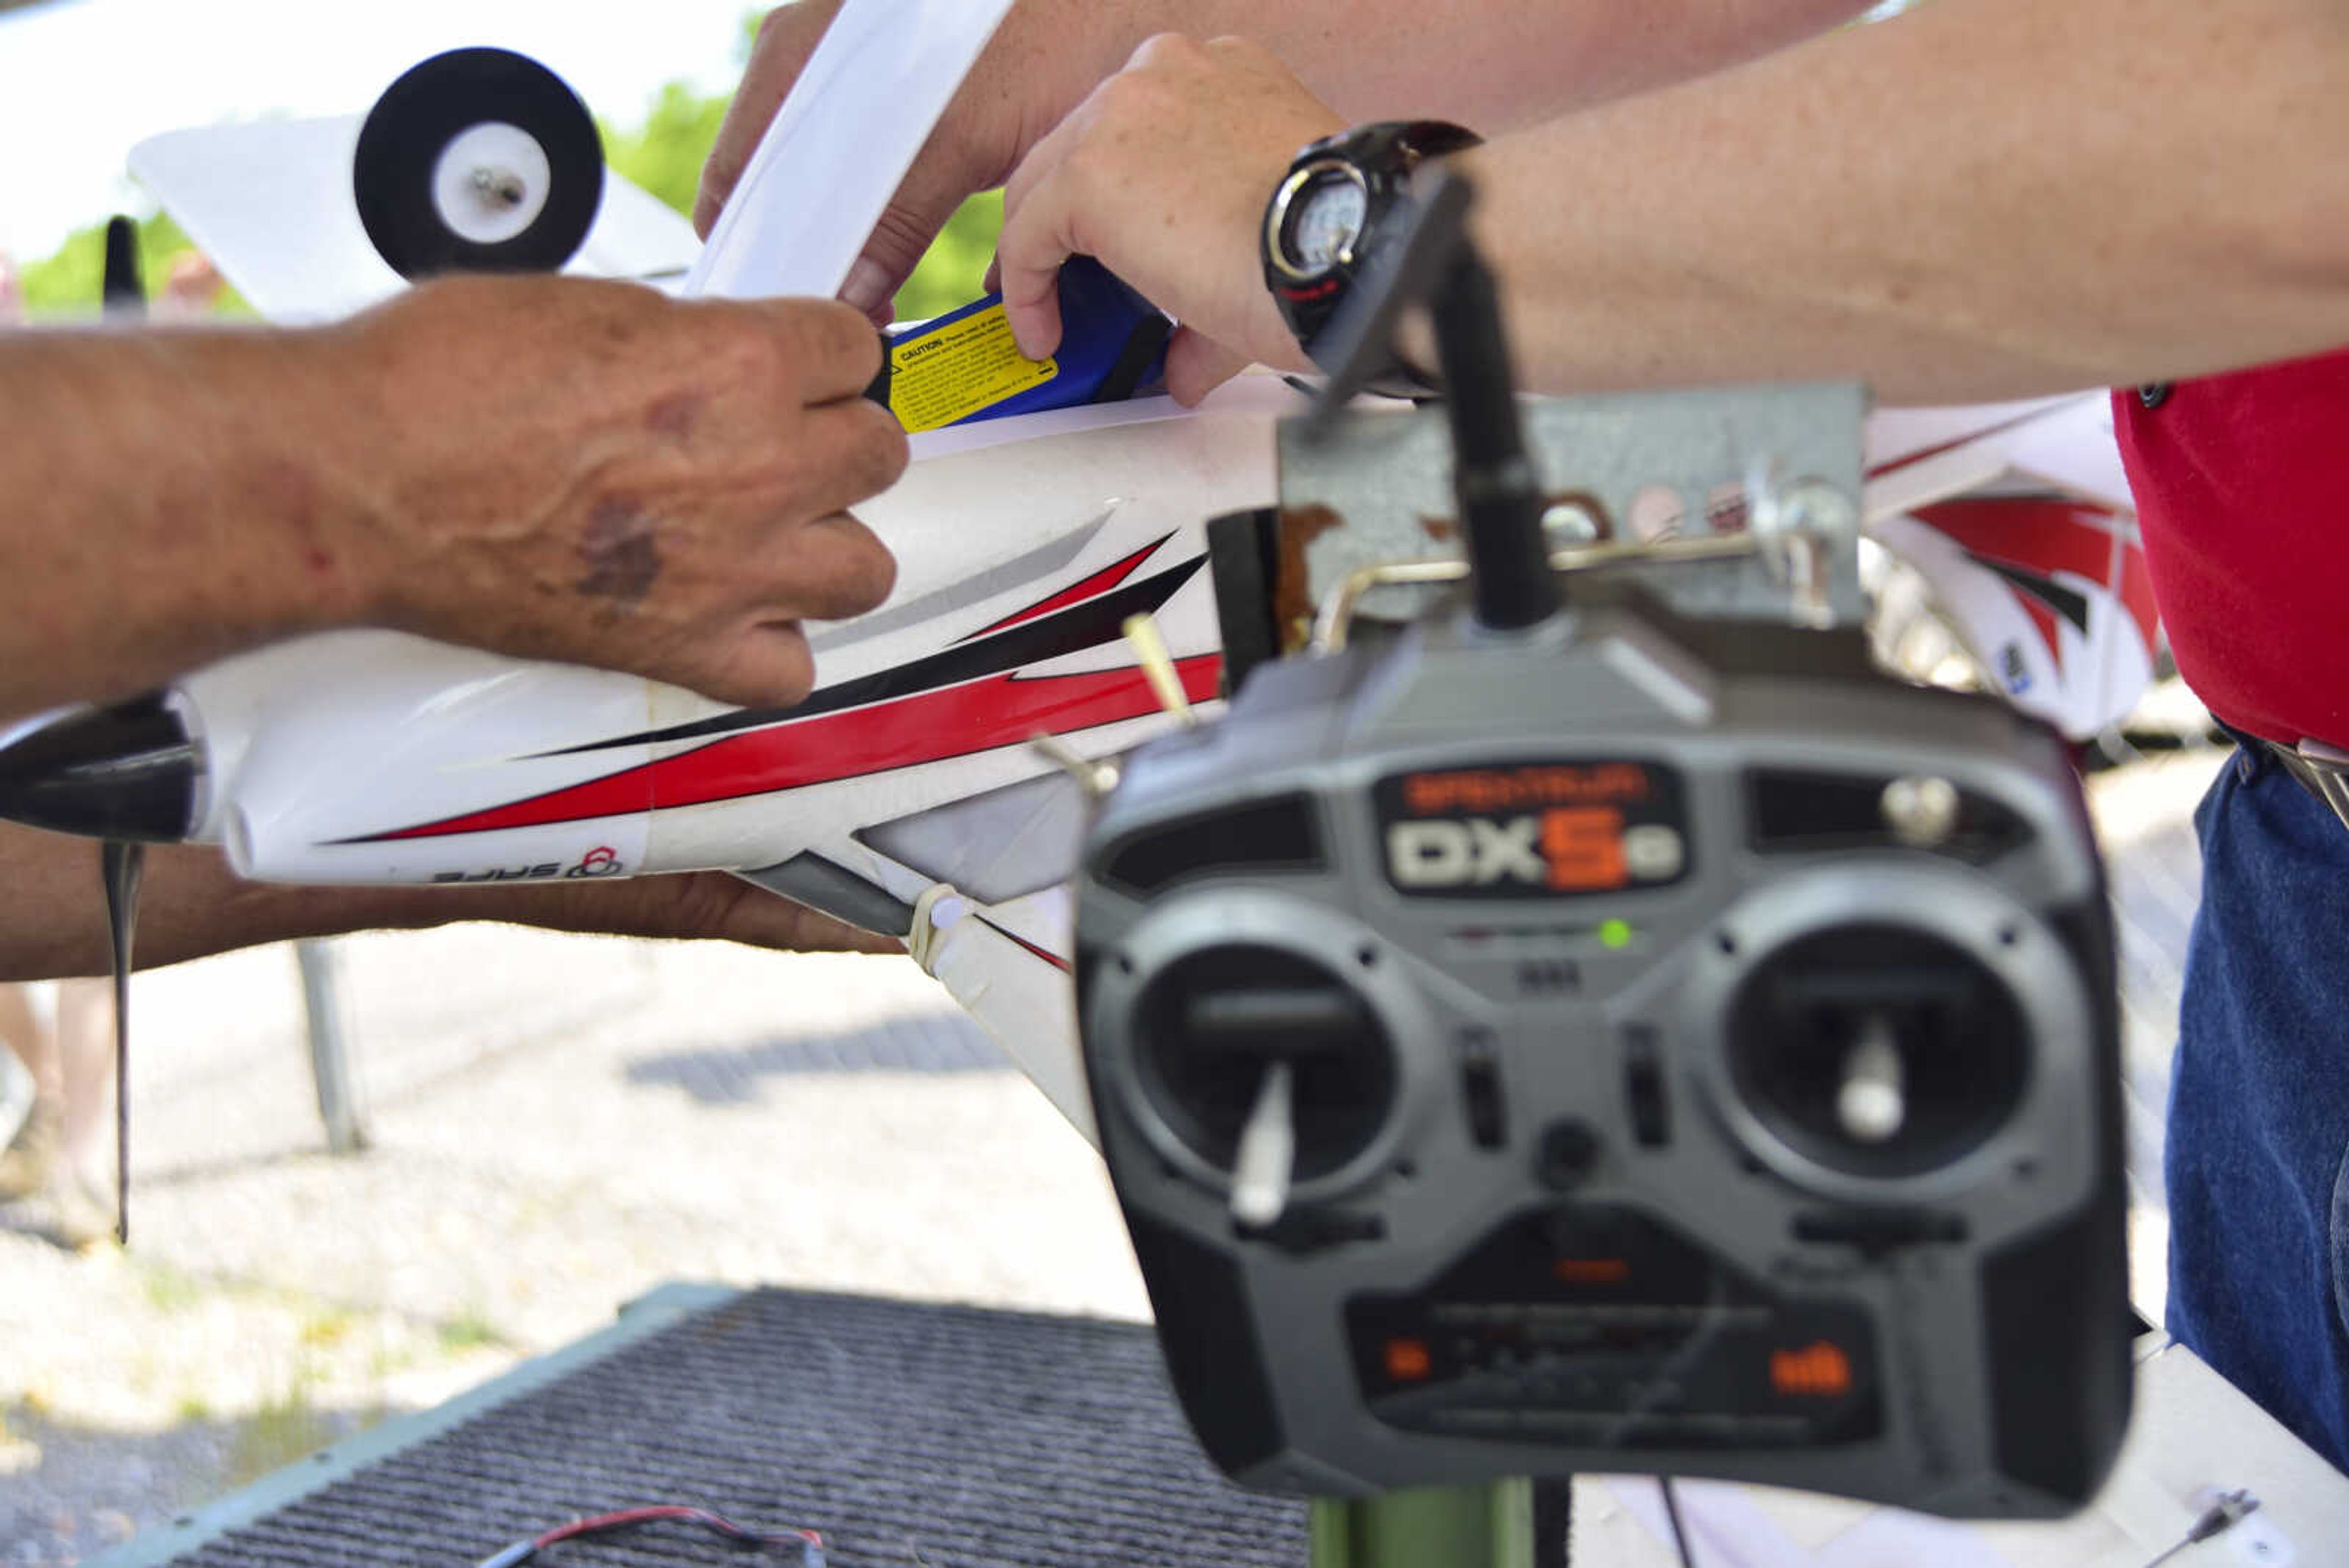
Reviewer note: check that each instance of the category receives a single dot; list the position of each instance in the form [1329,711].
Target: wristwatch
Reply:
[1322,224]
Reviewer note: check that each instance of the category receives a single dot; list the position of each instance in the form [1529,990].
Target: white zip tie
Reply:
[923,941]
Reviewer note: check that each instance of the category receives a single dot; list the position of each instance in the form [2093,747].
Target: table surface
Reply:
[919,1434]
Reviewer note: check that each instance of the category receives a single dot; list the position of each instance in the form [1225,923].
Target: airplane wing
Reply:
[270,203]
[838,148]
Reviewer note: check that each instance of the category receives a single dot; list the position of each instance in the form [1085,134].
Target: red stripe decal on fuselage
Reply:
[1966,438]
[2050,628]
[2041,535]
[926,727]
[1047,954]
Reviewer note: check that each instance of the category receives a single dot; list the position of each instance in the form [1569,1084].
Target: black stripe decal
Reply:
[2069,603]
[1073,631]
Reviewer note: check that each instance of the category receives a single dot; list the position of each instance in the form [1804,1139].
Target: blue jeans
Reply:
[2258,1161]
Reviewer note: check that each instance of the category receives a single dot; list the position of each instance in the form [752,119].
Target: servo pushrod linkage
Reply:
[1432,259]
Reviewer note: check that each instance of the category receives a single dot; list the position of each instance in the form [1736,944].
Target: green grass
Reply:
[327,1327]
[275,1436]
[169,1290]
[469,1330]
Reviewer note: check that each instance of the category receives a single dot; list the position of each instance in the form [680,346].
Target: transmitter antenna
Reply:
[1425,256]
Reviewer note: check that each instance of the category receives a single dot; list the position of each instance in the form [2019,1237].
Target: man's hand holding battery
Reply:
[1159,169]
[1162,175]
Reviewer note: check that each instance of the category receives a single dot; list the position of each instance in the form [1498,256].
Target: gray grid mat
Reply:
[909,1435]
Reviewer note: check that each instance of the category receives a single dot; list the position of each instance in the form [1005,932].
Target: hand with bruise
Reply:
[590,473]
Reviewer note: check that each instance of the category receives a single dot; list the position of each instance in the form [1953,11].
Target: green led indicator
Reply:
[1615,934]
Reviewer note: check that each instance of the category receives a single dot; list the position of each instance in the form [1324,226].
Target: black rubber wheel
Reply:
[422,113]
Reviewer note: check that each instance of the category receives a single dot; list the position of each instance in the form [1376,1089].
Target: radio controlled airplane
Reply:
[908,792]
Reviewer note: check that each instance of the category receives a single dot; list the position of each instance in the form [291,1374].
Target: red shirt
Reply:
[2243,493]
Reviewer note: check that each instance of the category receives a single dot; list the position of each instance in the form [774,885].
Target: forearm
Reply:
[1494,64]
[53,921]
[165,506]
[1987,198]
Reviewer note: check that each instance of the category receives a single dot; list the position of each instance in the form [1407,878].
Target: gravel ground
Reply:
[559,1123]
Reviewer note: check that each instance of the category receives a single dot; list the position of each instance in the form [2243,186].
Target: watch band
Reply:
[1379,158]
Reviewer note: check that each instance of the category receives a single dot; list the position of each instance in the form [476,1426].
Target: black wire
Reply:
[1672,1512]
[2231,1509]
[808,1543]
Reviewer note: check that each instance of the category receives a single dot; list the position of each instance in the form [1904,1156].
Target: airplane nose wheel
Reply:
[478,160]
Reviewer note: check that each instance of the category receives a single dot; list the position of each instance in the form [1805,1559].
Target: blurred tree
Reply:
[665,154]
[955,265]
[67,281]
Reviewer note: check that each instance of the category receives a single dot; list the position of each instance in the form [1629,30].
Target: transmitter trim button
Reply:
[1644,1086]
[1480,1089]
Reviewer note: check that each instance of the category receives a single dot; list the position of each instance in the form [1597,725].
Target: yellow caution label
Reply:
[960,369]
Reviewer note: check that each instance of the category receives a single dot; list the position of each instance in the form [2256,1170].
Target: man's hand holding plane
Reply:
[551,468]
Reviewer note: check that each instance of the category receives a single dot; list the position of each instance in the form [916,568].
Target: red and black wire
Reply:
[810,1544]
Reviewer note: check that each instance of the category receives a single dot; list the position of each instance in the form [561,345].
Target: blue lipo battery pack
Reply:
[964,367]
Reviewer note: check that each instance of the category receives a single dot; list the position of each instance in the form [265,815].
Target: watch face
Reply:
[1325,220]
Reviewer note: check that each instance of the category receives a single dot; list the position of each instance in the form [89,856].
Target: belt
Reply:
[2322,770]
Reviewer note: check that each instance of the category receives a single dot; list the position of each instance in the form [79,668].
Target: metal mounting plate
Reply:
[1378,488]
